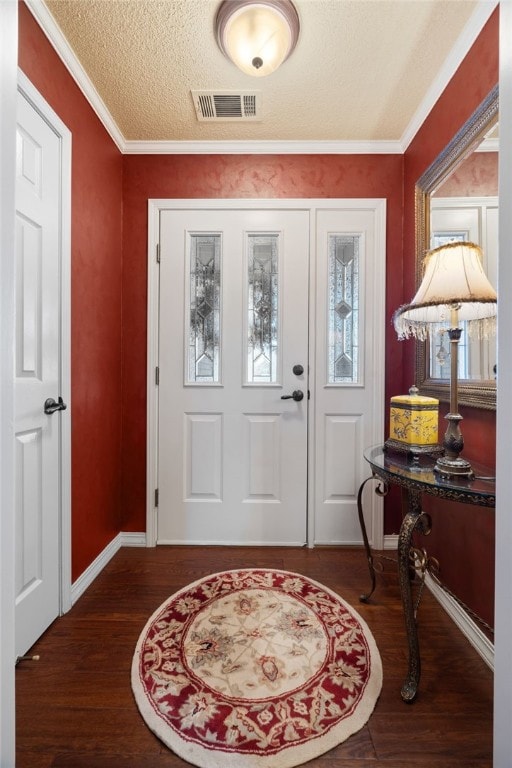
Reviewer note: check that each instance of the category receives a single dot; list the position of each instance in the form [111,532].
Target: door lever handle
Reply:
[296,395]
[50,406]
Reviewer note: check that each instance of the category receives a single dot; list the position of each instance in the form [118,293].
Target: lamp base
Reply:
[449,467]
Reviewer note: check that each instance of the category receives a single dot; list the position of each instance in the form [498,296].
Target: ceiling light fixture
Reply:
[257,35]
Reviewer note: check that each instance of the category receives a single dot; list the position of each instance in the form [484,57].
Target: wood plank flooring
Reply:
[75,708]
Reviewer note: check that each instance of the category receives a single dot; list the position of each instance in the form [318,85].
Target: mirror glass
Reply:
[457,199]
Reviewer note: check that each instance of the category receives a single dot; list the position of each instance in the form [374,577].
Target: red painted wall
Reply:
[475,177]
[96,264]
[462,537]
[232,176]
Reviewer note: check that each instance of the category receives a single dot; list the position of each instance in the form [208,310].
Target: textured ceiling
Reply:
[360,70]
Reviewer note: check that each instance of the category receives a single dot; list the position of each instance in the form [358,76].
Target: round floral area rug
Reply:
[255,669]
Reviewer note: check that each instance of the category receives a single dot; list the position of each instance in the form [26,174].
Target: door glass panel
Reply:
[204,310]
[262,309]
[343,326]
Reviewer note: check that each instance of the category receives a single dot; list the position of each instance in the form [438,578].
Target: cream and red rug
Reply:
[255,669]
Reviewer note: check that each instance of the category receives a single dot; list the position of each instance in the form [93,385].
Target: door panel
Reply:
[349,367]
[233,322]
[263,457]
[341,434]
[203,456]
[37,307]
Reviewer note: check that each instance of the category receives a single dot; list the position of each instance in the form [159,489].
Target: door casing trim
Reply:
[155,206]
[64,135]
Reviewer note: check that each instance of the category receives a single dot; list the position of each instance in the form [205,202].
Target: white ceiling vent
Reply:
[223,106]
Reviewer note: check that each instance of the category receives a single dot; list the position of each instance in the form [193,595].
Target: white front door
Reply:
[233,343]
[232,312]
[38,373]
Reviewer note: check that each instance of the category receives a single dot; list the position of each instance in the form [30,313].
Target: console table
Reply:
[415,477]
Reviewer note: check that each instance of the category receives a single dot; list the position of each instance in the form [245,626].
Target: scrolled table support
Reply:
[414,519]
[416,478]
[381,490]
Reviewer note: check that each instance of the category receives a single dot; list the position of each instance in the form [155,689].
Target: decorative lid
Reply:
[414,399]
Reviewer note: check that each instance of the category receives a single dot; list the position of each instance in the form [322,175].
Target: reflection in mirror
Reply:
[474,220]
[457,199]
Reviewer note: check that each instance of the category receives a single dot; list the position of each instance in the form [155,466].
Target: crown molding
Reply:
[262,148]
[79,75]
[70,61]
[489,145]
[52,31]
[467,37]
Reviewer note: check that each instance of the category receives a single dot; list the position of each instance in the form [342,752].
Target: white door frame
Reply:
[64,136]
[8,96]
[378,205]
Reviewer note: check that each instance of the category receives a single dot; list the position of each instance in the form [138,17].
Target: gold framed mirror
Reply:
[477,385]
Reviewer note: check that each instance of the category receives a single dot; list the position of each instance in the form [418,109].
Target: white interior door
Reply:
[37,369]
[233,324]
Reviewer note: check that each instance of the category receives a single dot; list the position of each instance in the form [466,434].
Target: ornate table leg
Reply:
[381,490]
[413,519]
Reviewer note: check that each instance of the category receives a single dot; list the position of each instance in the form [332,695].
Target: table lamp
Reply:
[454,288]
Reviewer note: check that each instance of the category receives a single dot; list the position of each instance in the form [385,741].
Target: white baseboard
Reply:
[133,539]
[465,623]
[86,579]
[458,615]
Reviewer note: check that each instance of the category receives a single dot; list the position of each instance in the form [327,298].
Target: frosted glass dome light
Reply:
[257,35]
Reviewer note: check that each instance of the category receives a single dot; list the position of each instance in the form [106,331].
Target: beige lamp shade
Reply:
[257,35]
[454,288]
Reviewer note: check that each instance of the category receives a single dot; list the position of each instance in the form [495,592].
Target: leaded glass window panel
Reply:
[262,308]
[204,309]
[343,325]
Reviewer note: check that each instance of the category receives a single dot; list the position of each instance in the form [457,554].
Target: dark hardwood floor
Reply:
[75,708]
